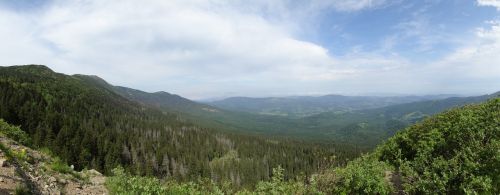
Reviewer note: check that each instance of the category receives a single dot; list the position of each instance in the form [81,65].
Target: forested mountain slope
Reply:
[88,124]
[364,128]
[456,152]
[91,126]
[369,127]
[302,106]
[205,115]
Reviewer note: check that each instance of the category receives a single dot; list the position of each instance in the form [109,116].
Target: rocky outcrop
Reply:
[31,170]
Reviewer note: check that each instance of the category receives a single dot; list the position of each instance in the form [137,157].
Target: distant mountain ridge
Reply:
[303,106]
[359,120]
[350,123]
[371,126]
[199,113]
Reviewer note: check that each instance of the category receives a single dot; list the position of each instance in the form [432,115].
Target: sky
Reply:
[203,49]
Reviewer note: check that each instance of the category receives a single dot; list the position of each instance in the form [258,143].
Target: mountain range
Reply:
[360,120]
[303,106]
[88,124]
[91,124]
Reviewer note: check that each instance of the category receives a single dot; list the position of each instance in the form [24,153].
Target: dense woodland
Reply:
[348,124]
[456,152]
[143,149]
[91,126]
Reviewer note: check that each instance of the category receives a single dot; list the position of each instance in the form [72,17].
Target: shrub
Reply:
[22,155]
[60,166]
[361,176]
[14,133]
[46,151]
[455,152]
[278,185]
[122,183]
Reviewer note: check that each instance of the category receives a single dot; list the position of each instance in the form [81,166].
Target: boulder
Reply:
[93,172]
[62,181]
[51,180]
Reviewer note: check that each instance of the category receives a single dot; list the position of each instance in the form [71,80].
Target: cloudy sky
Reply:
[215,48]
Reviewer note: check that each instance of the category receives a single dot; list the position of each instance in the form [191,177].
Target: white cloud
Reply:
[494,3]
[479,59]
[18,43]
[214,48]
[472,66]
[355,5]
[174,44]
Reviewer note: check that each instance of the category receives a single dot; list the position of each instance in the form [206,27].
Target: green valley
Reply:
[144,147]
[89,125]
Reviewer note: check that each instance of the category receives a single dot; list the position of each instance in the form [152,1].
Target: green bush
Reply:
[14,155]
[58,165]
[123,183]
[46,151]
[278,185]
[14,133]
[21,155]
[361,176]
[455,152]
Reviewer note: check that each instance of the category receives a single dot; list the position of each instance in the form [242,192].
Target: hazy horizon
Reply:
[216,49]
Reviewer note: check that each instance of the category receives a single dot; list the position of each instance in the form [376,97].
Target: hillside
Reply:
[360,126]
[164,100]
[83,121]
[371,126]
[202,114]
[27,171]
[354,125]
[456,152]
[87,124]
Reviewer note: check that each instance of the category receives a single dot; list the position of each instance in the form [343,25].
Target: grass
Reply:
[46,151]
[61,167]
[7,151]
[22,190]
[22,156]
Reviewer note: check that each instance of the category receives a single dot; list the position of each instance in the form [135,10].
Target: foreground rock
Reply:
[8,177]
[32,171]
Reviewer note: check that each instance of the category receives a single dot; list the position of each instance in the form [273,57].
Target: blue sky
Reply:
[203,49]
[419,30]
